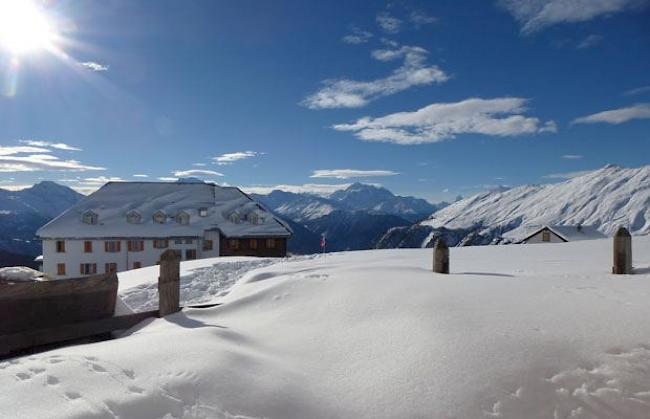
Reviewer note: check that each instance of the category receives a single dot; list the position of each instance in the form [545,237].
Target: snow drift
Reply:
[531,331]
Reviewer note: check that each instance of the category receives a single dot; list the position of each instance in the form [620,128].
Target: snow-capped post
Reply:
[622,252]
[441,257]
[169,283]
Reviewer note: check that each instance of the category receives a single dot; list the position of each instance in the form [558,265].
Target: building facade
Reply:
[128,225]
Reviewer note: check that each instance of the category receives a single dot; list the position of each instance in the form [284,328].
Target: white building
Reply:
[127,225]
[563,234]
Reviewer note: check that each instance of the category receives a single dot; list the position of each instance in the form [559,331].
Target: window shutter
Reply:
[81,268]
[118,247]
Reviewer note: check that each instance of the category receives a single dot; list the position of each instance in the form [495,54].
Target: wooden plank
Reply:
[169,283]
[28,306]
[11,343]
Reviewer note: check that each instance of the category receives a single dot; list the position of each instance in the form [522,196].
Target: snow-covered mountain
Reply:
[23,212]
[353,218]
[606,198]
[303,207]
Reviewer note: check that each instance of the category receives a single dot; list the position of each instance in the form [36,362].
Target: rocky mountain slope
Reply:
[606,198]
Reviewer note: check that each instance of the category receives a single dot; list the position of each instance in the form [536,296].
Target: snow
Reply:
[115,199]
[527,331]
[202,281]
[606,198]
[20,274]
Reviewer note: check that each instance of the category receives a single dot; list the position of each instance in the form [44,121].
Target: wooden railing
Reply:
[37,314]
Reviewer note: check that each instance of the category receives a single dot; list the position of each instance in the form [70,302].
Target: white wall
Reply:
[537,238]
[74,254]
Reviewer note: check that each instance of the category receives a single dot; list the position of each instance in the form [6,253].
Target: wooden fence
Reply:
[37,314]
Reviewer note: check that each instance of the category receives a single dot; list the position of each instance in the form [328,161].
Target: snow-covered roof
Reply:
[114,200]
[572,232]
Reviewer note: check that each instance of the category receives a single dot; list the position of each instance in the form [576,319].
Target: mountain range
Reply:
[606,198]
[23,212]
[350,219]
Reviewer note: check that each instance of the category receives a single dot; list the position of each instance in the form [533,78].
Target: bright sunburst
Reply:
[24,28]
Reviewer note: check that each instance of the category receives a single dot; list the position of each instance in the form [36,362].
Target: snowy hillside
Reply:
[23,212]
[606,198]
[538,331]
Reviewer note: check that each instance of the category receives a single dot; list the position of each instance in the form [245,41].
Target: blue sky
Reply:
[428,98]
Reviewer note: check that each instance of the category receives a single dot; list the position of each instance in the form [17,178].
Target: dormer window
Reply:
[89,217]
[203,212]
[159,217]
[133,217]
[183,218]
[252,217]
[235,217]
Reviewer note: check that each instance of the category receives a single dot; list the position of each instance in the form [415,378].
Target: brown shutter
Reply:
[81,268]
[119,246]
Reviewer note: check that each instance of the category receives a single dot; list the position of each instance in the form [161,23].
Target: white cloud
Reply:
[638,91]
[346,93]
[351,173]
[168,179]
[500,117]
[568,175]
[99,180]
[388,23]
[196,172]
[140,175]
[229,158]
[357,36]
[93,66]
[572,156]
[419,18]
[199,164]
[589,41]
[58,146]
[11,150]
[312,188]
[41,162]
[535,15]
[617,116]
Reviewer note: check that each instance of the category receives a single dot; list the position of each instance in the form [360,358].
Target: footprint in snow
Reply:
[71,395]
[51,380]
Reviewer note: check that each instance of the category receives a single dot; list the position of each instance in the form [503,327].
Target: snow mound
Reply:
[20,274]
[530,331]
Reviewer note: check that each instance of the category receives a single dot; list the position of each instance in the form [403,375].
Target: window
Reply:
[60,268]
[137,265]
[112,246]
[270,243]
[234,217]
[159,217]
[252,217]
[60,246]
[189,241]
[546,236]
[135,245]
[88,268]
[88,246]
[183,218]
[203,212]
[253,244]
[207,245]
[233,243]
[178,241]
[133,217]
[190,254]
[110,268]
[89,217]
[160,244]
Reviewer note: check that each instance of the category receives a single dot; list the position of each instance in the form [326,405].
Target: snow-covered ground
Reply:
[527,331]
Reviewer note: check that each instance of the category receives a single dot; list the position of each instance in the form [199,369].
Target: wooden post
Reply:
[169,283]
[622,252]
[441,257]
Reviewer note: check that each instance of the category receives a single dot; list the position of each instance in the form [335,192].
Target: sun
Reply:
[24,28]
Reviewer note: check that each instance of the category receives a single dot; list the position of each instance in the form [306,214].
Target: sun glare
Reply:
[23,27]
